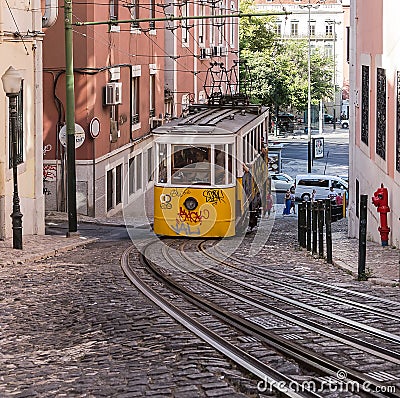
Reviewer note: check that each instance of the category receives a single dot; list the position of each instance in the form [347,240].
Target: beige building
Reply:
[21,47]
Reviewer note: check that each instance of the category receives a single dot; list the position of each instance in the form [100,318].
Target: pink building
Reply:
[129,78]
[375,112]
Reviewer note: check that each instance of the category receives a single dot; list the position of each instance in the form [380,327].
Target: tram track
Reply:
[313,360]
[309,282]
[372,331]
[267,275]
[246,361]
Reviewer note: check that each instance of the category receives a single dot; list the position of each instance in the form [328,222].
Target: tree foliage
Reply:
[279,68]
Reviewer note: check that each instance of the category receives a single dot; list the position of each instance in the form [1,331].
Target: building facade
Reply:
[129,79]
[327,23]
[375,113]
[21,47]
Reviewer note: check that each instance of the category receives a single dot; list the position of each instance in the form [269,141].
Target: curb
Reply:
[49,253]
[375,280]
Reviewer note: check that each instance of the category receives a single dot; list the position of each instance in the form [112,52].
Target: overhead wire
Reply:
[16,26]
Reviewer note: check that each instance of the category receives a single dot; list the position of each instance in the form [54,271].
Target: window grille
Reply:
[18,132]
[365,104]
[381,113]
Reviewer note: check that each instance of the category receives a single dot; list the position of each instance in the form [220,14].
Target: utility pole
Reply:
[70,120]
[334,23]
[309,163]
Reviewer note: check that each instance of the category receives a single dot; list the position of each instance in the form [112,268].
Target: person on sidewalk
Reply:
[313,196]
[268,205]
[292,200]
[288,202]
[339,199]
[332,195]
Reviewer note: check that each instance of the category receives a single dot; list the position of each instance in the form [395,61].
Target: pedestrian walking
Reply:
[332,195]
[292,200]
[268,205]
[288,202]
[313,196]
[339,199]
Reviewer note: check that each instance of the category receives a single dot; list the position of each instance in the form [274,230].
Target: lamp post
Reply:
[309,157]
[12,86]
[334,23]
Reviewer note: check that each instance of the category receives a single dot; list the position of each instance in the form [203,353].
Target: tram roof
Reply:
[212,120]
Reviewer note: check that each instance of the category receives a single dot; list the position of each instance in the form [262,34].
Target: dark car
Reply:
[328,119]
[286,122]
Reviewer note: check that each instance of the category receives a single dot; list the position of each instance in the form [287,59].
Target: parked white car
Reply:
[344,124]
[280,182]
[305,183]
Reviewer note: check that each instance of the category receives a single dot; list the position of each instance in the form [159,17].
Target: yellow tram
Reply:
[211,172]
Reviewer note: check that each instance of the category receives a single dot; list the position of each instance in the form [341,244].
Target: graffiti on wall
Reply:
[214,196]
[181,228]
[193,216]
[49,175]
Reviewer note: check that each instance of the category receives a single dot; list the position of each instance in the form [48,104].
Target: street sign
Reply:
[79,135]
[318,147]
[94,127]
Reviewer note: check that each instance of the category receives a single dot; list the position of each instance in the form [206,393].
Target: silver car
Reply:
[280,182]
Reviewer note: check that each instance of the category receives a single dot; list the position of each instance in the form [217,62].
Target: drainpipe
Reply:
[50,13]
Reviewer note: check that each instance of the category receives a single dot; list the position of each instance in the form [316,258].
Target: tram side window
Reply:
[162,163]
[230,163]
[219,164]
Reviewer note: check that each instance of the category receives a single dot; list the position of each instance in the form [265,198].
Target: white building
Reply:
[328,22]
[21,47]
[375,114]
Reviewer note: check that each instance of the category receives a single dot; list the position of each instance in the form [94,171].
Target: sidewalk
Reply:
[38,247]
[382,263]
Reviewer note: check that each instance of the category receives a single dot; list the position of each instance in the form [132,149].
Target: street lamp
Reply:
[309,6]
[12,86]
[334,23]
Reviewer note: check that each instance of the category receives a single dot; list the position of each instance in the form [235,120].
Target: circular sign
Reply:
[79,135]
[94,127]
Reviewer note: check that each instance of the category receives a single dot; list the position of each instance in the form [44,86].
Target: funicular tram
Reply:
[211,173]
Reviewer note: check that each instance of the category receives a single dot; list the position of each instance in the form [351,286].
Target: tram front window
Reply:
[191,165]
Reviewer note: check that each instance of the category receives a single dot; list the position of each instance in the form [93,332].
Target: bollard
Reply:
[314,227]
[302,224]
[328,223]
[362,238]
[308,211]
[320,229]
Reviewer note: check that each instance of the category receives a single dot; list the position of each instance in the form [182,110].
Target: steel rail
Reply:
[365,307]
[325,314]
[309,357]
[371,348]
[237,355]
[317,283]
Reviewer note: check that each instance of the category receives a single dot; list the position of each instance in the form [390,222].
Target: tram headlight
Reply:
[190,203]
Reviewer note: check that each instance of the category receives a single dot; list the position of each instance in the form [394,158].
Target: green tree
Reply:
[279,68]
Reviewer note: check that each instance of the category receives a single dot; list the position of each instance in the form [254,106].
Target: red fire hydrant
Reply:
[380,200]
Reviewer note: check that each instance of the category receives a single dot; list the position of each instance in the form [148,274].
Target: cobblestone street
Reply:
[73,325]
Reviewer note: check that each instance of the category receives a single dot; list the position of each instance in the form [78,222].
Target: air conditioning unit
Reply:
[215,51]
[156,122]
[113,93]
[203,54]
[223,51]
